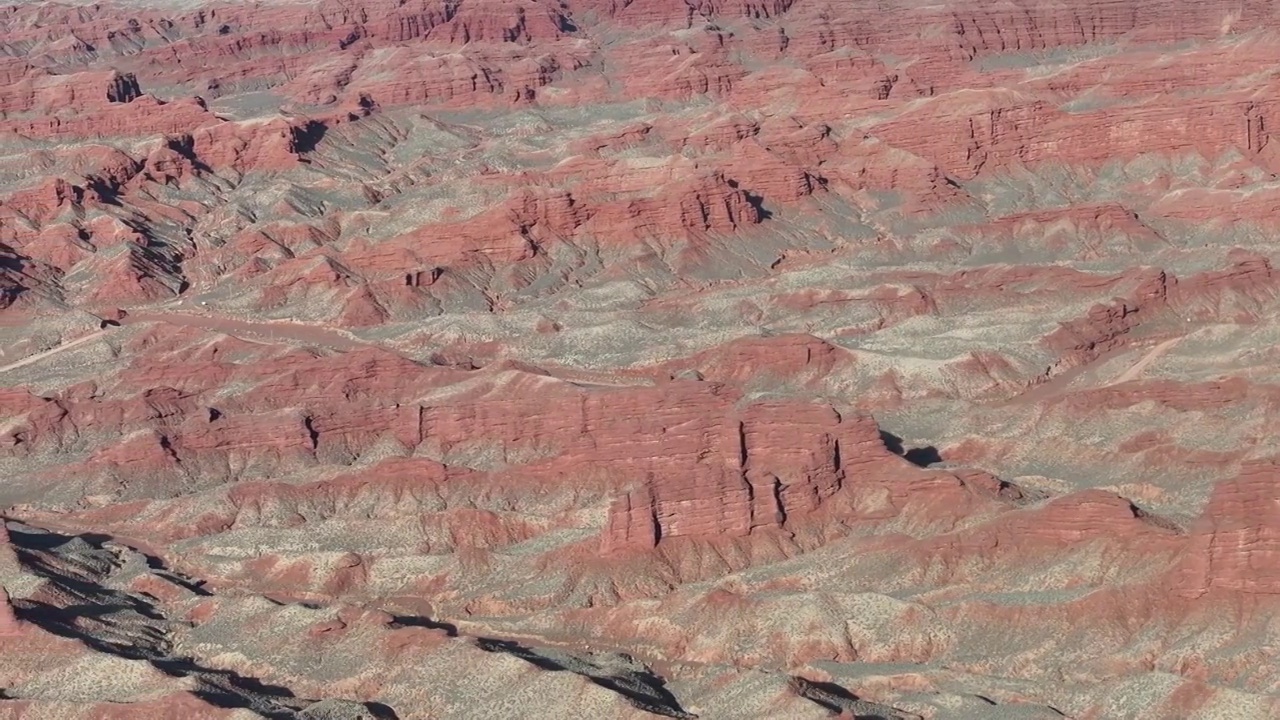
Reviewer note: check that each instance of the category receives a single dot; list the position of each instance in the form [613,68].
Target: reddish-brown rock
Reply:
[9,623]
[1234,546]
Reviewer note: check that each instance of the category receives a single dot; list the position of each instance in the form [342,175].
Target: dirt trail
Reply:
[273,332]
[1139,367]
[52,351]
[261,332]
[1087,374]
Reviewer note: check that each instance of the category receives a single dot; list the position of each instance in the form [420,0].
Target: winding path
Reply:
[52,351]
[1147,360]
[258,332]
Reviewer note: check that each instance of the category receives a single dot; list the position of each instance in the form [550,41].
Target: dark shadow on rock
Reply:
[12,264]
[923,456]
[381,711]
[307,137]
[184,667]
[48,541]
[643,688]
[920,456]
[892,442]
[107,620]
[190,584]
[70,622]
[757,202]
[108,193]
[402,621]
[332,709]
[838,700]
[829,695]
[10,259]
[184,145]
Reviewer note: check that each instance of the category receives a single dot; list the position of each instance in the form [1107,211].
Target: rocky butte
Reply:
[631,358]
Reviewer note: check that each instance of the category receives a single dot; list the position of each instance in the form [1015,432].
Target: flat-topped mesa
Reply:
[755,362]
[142,116]
[693,459]
[638,13]
[38,90]
[760,467]
[518,21]
[1083,516]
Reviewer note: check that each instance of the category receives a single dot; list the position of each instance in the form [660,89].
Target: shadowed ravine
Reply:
[619,673]
[131,626]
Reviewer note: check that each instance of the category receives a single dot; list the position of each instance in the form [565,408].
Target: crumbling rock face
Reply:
[1232,545]
[753,470]
[123,89]
[9,623]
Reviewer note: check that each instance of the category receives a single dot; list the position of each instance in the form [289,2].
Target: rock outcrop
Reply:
[1234,544]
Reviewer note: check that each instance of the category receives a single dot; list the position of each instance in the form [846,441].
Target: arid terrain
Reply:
[629,358]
